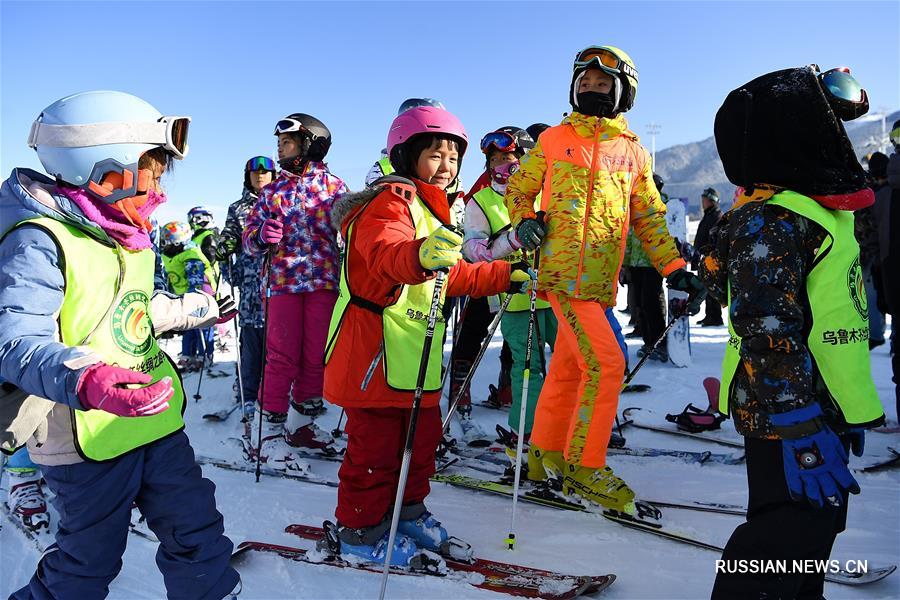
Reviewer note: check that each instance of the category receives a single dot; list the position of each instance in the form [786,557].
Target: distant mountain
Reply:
[690,168]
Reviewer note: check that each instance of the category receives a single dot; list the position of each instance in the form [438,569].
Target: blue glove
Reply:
[815,464]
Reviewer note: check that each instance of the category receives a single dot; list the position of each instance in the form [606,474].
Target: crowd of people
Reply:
[336,288]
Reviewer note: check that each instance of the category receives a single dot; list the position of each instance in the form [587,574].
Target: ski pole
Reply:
[336,432]
[197,396]
[484,345]
[526,373]
[267,266]
[237,339]
[411,429]
[659,340]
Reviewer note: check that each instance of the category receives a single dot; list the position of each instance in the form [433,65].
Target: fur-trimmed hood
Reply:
[351,202]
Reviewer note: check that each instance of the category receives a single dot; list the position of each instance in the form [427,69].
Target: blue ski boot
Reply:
[429,534]
[370,544]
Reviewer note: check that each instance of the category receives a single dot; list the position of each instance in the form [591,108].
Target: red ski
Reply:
[490,575]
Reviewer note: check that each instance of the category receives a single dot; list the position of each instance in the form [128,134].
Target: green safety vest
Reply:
[838,338]
[106,307]
[493,206]
[175,268]
[212,269]
[387,168]
[403,322]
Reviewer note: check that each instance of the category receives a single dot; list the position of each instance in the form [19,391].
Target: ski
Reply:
[515,580]
[678,339]
[636,387]
[245,467]
[637,417]
[892,461]
[221,415]
[496,455]
[548,498]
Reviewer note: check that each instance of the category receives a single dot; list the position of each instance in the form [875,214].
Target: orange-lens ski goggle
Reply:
[599,55]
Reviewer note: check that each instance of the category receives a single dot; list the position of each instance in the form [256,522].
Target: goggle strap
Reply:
[99,134]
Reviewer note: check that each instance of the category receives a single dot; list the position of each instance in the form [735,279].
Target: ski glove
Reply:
[123,392]
[227,309]
[530,233]
[815,464]
[441,250]
[857,437]
[271,232]
[685,281]
[520,277]
[226,247]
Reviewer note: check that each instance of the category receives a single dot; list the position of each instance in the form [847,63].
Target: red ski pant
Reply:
[578,403]
[371,467]
[297,331]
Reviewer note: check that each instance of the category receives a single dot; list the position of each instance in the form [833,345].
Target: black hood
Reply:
[780,130]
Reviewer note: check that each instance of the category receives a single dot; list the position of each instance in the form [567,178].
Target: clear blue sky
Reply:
[237,67]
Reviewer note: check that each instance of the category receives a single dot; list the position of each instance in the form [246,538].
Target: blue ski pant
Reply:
[251,361]
[94,502]
[197,342]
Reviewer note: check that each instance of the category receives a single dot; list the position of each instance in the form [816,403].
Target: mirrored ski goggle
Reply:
[170,133]
[500,140]
[599,56]
[846,96]
[290,126]
[260,163]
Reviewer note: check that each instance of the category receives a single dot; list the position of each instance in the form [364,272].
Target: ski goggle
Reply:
[170,133]
[603,58]
[260,163]
[846,96]
[500,140]
[291,126]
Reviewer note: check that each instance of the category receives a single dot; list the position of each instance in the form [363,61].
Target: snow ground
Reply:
[577,543]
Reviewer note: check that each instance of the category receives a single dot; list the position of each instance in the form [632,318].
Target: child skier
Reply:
[796,374]
[76,298]
[292,217]
[246,274]
[594,179]
[397,235]
[205,235]
[188,271]
[489,237]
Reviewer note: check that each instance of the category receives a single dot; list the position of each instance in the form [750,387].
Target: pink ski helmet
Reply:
[426,119]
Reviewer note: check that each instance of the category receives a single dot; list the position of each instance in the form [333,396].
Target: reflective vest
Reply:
[839,336]
[212,269]
[403,322]
[176,272]
[106,307]
[494,208]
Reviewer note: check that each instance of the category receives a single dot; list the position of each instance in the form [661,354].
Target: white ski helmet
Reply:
[84,137]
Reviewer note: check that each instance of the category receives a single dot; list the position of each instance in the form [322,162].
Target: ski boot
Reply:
[26,501]
[695,420]
[301,430]
[370,544]
[185,364]
[599,486]
[428,534]
[547,466]
[274,451]
[509,439]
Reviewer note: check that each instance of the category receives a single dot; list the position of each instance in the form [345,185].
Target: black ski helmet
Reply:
[522,137]
[659,182]
[536,129]
[258,163]
[710,193]
[313,137]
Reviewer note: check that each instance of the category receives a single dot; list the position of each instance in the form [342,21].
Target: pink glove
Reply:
[271,232]
[108,388]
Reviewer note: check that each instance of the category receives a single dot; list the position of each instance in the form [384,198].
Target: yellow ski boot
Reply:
[546,465]
[600,486]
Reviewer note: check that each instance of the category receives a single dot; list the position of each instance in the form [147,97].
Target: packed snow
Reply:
[575,543]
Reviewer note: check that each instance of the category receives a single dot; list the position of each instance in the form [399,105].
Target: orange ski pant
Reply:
[578,403]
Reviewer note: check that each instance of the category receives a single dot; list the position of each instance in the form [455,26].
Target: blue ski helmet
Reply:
[414,102]
[82,138]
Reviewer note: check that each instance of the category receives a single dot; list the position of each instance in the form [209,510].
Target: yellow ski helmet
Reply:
[613,61]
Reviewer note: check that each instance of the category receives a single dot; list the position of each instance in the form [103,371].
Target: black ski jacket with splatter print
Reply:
[765,252]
